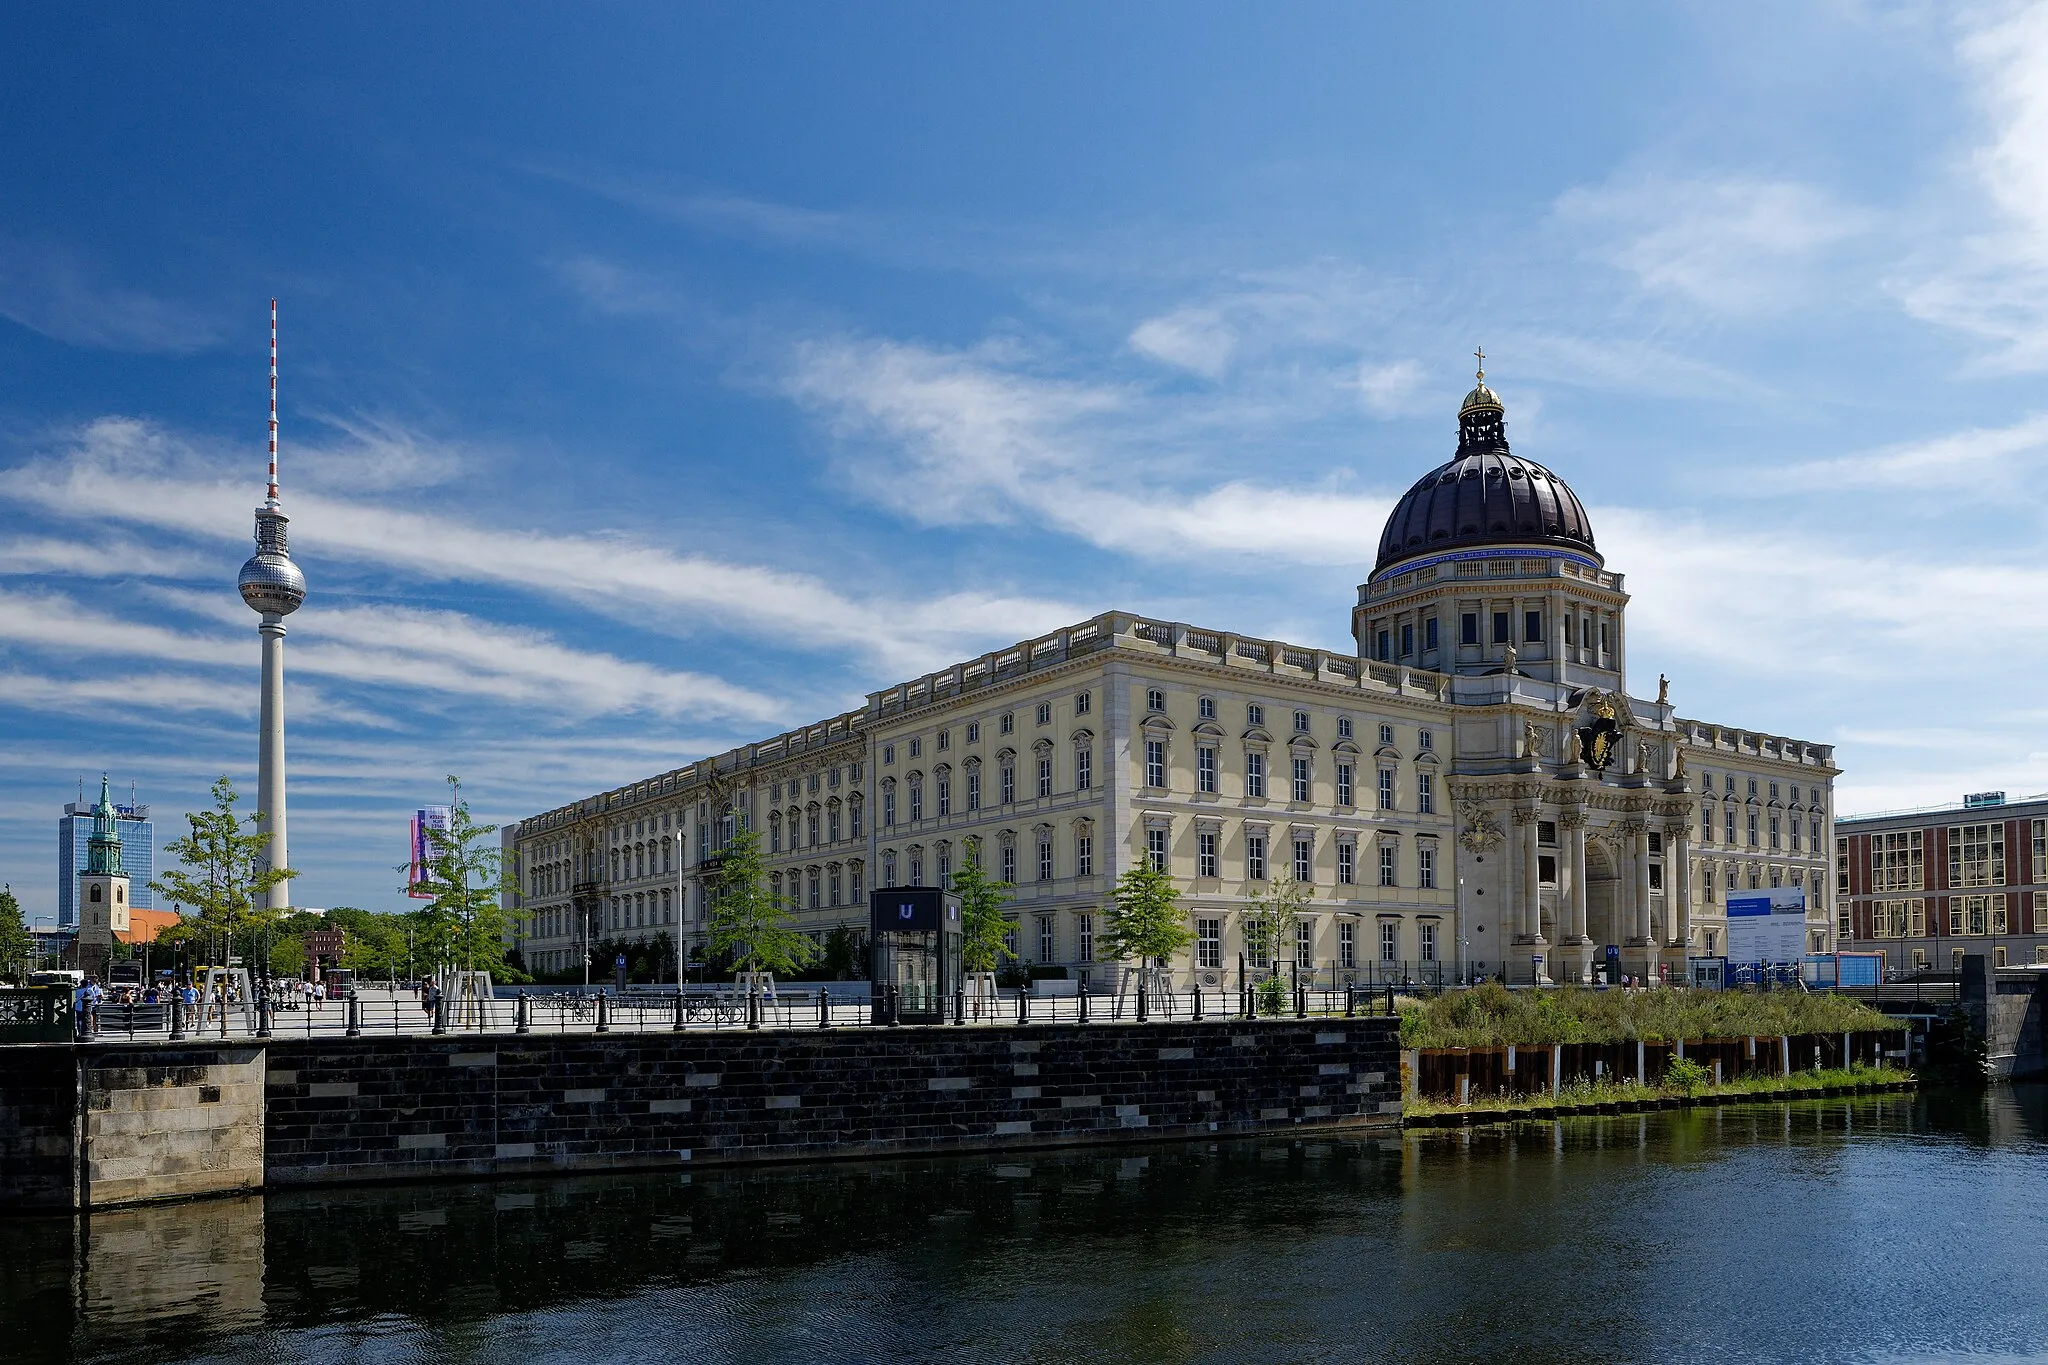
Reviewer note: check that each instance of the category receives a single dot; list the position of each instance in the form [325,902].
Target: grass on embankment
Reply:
[1494,1016]
[1608,1091]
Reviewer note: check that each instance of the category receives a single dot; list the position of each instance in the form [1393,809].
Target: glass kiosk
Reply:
[915,937]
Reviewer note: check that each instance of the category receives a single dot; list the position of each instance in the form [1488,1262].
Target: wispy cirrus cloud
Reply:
[57,291]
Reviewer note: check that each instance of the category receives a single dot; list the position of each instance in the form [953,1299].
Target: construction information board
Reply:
[1767,925]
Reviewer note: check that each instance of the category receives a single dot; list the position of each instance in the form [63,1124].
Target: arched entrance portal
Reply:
[1603,900]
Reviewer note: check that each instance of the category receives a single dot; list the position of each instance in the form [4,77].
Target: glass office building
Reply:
[138,856]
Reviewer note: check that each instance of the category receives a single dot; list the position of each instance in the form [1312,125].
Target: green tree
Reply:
[222,878]
[1270,918]
[465,875]
[16,946]
[749,927]
[846,954]
[1144,920]
[984,929]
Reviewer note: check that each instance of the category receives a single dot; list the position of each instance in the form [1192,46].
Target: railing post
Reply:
[354,1016]
[1142,1015]
[177,1015]
[1198,1000]
[677,1025]
[753,1008]
[604,1012]
[959,1005]
[1024,1006]
[522,1015]
[891,1004]
[1084,1003]
[1350,1001]
[824,1008]
[263,1014]
[441,1012]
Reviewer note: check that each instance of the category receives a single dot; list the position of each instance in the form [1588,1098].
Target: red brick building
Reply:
[1924,887]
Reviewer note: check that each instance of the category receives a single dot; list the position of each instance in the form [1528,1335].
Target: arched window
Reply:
[916,800]
[853,810]
[942,790]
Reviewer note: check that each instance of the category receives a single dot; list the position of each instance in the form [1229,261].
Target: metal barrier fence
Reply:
[398,1014]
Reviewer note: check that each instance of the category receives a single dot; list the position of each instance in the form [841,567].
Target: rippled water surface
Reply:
[1876,1229]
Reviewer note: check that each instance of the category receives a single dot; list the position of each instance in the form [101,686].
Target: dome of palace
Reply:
[1484,495]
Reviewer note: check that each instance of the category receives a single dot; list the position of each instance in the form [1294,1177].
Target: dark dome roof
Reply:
[1485,495]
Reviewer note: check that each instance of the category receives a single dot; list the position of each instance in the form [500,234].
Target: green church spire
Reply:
[103,849]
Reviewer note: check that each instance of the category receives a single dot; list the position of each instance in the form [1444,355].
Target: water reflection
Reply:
[1814,1231]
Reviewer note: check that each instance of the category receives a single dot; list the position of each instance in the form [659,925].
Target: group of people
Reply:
[90,1000]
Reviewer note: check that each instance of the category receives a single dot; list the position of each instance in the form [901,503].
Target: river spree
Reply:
[1882,1229]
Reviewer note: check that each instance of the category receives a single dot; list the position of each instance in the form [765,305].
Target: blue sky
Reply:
[659,377]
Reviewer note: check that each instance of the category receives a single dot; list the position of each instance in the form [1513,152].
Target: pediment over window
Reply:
[1387,753]
[1155,721]
[1344,746]
[1257,735]
[1210,729]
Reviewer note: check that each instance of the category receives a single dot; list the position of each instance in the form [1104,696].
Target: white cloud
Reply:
[1981,463]
[1387,389]
[130,470]
[56,291]
[1193,339]
[1734,244]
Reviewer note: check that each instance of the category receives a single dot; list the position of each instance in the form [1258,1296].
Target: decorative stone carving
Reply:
[1663,690]
[1642,755]
[1511,669]
[1533,739]
[1571,817]
[1482,831]
[1526,815]
[1573,752]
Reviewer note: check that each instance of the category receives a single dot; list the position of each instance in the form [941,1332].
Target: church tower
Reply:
[102,890]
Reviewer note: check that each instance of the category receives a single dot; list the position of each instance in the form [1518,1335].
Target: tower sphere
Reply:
[271,584]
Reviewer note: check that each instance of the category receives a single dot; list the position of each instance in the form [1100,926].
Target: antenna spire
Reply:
[271,501]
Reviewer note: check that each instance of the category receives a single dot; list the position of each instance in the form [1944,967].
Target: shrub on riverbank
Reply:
[1610,1091]
[1494,1016]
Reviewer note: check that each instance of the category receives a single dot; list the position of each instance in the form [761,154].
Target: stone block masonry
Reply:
[95,1124]
[425,1107]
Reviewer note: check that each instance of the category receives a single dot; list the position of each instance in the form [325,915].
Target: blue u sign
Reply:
[906,911]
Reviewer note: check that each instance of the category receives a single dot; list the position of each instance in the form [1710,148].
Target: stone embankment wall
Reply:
[173,1120]
[2008,1007]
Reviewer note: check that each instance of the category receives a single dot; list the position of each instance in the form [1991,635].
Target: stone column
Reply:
[1639,917]
[1529,893]
[1678,884]
[1574,822]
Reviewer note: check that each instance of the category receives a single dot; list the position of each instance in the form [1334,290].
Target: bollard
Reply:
[522,1015]
[604,1013]
[177,1017]
[1084,1002]
[824,1008]
[1390,1000]
[263,1015]
[1142,1015]
[753,1008]
[441,1013]
[1350,1001]
[355,1016]
[959,1005]
[1198,1000]
[889,1005]
[677,1025]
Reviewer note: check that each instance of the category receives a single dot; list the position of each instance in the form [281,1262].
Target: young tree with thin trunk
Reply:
[465,876]
[984,931]
[1144,922]
[222,878]
[1270,918]
[749,927]
[16,944]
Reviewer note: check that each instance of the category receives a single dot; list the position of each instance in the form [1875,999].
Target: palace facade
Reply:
[1473,790]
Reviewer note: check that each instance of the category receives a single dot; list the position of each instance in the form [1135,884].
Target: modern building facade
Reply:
[1926,887]
[138,854]
[1471,790]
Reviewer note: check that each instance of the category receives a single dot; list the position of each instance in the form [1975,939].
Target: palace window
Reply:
[888,755]
[1081,703]
[1347,945]
[1500,628]
[1344,791]
[974,786]
[1304,860]
[1753,817]
[1205,707]
[1428,931]
[1532,627]
[1425,793]
[1208,942]
[1301,722]
[1084,768]
[1425,865]
[1301,779]
[1010,863]
[974,732]
[1084,853]
[1255,856]
[1045,713]
[1007,777]
[1429,634]
[1386,789]
[1045,856]
[945,742]
[1007,723]
[916,800]
[1155,700]
[1468,628]
[1084,936]
[1205,853]
[888,807]
[942,789]
[1347,864]
[1254,714]
[1386,734]
[916,747]
[854,894]
[1205,768]
[1254,774]
[1045,774]
[1390,940]
[1407,639]
[1155,763]
[1776,834]
[888,867]
[1047,951]
[1387,865]
[1155,848]
[1304,944]
[944,858]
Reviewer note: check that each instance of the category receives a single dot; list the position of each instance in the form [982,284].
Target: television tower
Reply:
[273,586]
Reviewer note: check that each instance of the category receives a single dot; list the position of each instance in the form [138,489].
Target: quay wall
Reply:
[173,1120]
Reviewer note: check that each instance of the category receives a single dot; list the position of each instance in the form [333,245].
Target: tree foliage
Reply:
[16,945]
[1144,920]
[464,922]
[984,929]
[1270,918]
[749,927]
[221,876]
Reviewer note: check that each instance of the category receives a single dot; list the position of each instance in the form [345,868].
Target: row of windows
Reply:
[1579,632]
[1300,854]
[1976,857]
[830,778]
[1301,777]
[1260,952]
[816,888]
[1762,831]
[1255,715]
[1816,795]
[821,825]
[1968,916]
[971,786]
[1730,877]
[1006,724]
